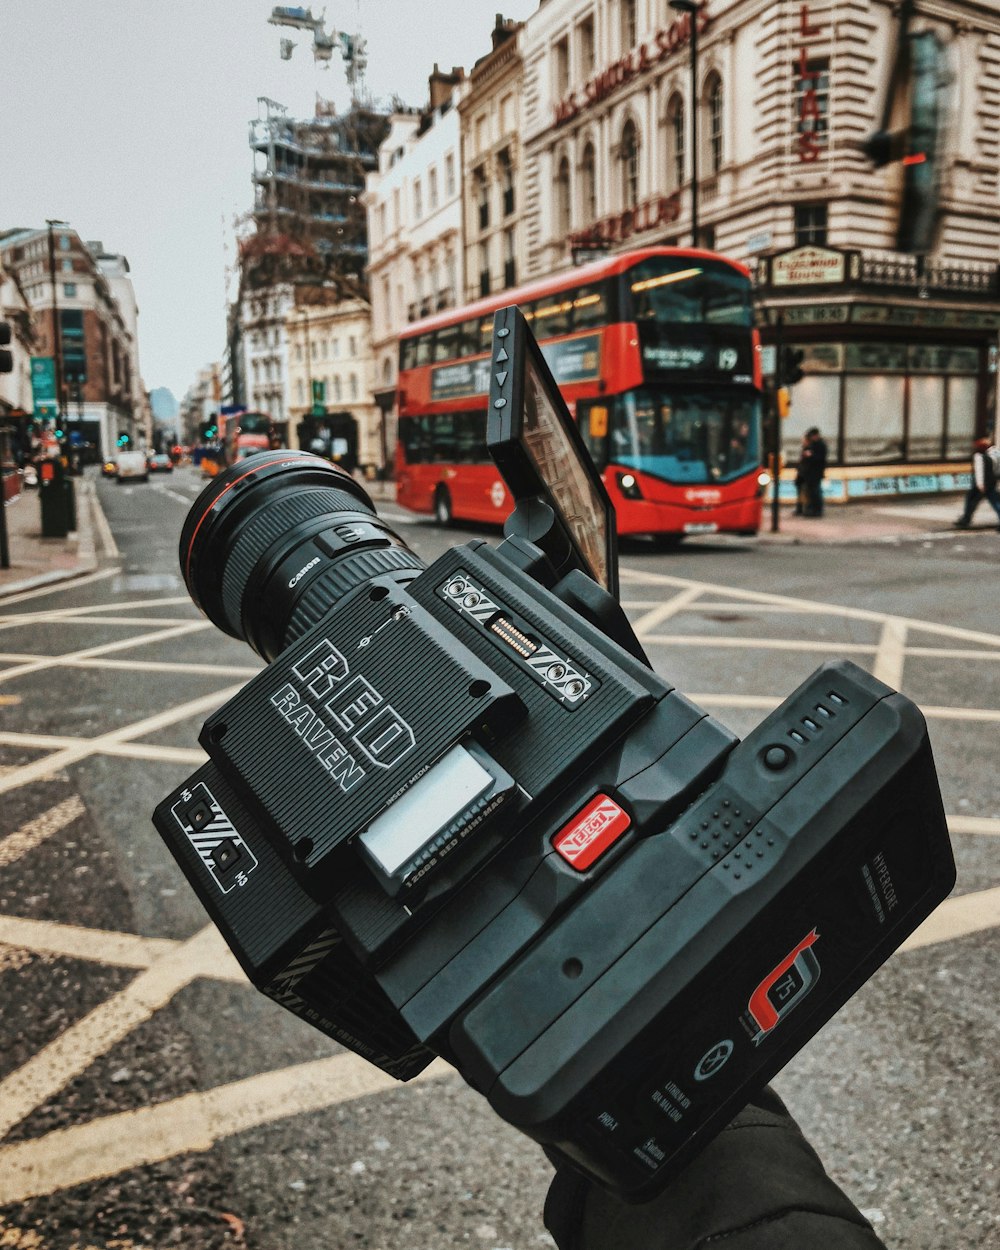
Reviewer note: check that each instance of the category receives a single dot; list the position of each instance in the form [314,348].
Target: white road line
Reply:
[891,654]
[186,500]
[103,946]
[956,918]
[124,750]
[974,824]
[75,1049]
[107,743]
[72,584]
[141,640]
[95,608]
[818,645]
[663,611]
[38,619]
[193,1122]
[104,529]
[34,832]
[738,596]
[141,666]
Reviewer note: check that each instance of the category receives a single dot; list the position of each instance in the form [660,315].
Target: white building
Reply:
[900,350]
[414,204]
[264,340]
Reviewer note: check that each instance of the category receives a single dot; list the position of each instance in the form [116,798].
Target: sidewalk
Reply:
[37,561]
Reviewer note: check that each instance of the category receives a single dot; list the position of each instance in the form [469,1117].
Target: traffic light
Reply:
[124,439]
[784,401]
[6,359]
[791,365]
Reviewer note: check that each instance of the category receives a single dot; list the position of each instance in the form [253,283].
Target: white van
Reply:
[131,466]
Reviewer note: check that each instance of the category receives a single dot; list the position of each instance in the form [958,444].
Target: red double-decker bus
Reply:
[656,355]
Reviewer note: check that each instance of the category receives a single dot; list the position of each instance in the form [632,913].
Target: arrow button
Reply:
[501,378]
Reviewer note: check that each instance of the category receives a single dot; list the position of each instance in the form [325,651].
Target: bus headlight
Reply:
[763,479]
[628,486]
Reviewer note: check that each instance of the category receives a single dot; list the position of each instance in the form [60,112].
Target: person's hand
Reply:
[759,1185]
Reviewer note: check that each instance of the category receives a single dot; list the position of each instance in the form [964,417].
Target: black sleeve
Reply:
[758,1186]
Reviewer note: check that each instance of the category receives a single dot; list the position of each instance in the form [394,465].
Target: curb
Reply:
[87,560]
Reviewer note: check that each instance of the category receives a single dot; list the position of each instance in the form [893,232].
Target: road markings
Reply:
[123,750]
[35,832]
[974,824]
[818,645]
[107,743]
[133,666]
[142,640]
[104,533]
[736,595]
[663,611]
[193,1122]
[889,658]
[72,584]
[956,918]
[75,1049]
[103,946]
[93,609]
[10,700]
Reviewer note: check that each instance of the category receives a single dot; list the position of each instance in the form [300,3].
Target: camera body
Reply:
[459,815]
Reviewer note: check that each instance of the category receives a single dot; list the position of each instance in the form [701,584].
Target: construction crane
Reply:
[353,48]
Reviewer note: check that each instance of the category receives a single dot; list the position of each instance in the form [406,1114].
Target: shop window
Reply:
[873,418]
[562,199]
[811,225]
[676,137]
[927,397]
[713,104]
[585,44]
[812,106]
[588,184]
[630,165]
[630,29]
[962,395]
[561,56]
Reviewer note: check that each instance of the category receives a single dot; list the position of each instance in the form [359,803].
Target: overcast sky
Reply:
[129,120]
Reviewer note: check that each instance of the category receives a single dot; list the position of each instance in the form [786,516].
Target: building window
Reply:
[353,383]
[509,260]
[352,347]
[585,44]
[506,181]
[336,349]
[67,264]
[482,198]
[561,53]
[810,225]
[812,107]
[337,393]
[713,99]
[588,184]
[64,242]
[433,188]
[630,165]
[418,200]
[562,202]
[676,135]
[69,289]
[300,392]
[630,32]
[484,268]
[449,175]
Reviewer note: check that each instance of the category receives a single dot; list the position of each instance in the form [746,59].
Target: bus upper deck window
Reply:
[589,308]
[446,343]
[424,349]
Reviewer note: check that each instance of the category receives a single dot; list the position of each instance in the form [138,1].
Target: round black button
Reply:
[777,758]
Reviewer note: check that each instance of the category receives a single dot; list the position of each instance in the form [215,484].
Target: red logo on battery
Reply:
[585,838]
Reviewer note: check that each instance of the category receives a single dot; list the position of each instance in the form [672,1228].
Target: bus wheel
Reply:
[667,542]
[442,506]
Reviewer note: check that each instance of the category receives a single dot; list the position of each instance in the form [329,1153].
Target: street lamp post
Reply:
[690,7]
[56,333]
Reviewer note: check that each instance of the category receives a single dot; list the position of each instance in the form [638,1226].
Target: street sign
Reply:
[43,386]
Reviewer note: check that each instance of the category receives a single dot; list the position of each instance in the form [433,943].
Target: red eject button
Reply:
[585,838]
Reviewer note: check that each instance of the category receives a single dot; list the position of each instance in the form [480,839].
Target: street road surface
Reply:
[149,1097]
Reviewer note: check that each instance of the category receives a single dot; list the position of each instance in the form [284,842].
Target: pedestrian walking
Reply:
[984,483]
[812,469]
[800,477]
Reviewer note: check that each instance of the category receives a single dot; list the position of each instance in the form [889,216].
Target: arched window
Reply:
[630,165]
[562,221]
[713,103]
[588,184]
[676,138]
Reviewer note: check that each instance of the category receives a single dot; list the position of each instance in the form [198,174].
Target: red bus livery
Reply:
[657,358]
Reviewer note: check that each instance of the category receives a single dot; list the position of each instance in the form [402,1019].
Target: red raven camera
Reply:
[457,814]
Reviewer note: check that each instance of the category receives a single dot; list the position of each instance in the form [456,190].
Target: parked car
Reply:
[161,463]
[132,467]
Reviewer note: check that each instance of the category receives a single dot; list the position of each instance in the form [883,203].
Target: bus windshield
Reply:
[677,434]
[254,423]
[691,290]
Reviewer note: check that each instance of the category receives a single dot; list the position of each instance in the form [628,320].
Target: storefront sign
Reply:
[807,266]
[906,484]
[619,227]
[817,315]
[810,116]
[641,59]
